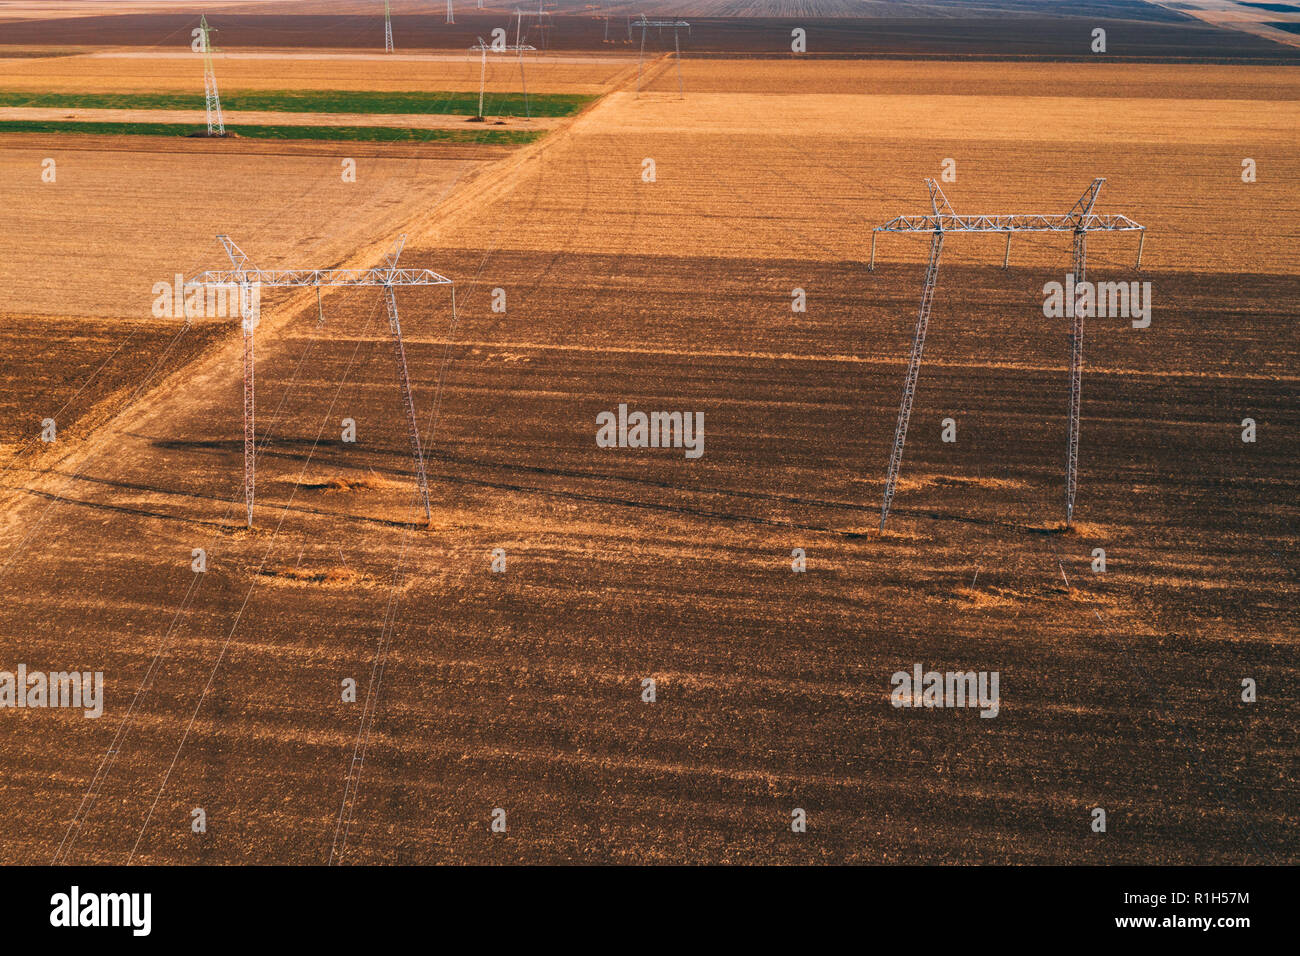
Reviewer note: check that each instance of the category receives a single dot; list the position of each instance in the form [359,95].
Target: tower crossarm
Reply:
[1025,222]
[1080,221]
[247,277]
[302,278]
[507,48]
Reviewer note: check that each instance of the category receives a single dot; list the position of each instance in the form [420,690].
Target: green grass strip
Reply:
[311,101]
[372,134]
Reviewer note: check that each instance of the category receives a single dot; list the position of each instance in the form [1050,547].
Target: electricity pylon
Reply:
[388,29]
[483,49]
[643,23]
[541,24]
[210,96]
[451,13]
[245,277]
[1079,221]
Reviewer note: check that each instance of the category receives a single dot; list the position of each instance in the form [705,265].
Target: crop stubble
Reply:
[522,690]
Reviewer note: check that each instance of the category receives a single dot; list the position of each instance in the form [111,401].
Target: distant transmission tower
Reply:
[245,277]
[1079,221]
[541,24]
[211,98]
[484,49]
[388,29]
[644,24]
[451,13]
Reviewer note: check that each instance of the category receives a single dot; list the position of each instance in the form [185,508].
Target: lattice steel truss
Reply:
[1079,221]
[388,29]
[645,24]
[245,277]
[542,24]
[211,98]
[485,49]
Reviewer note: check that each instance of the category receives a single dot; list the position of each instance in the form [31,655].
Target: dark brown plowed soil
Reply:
[1035,36]
[523,690]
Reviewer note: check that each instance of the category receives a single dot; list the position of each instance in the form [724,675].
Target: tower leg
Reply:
[1006,256]
[913,371]
[212,100]
[678,47]
[523,83]
[404,382]
[1076,381]
[482,79]
[639,62]
[250,446]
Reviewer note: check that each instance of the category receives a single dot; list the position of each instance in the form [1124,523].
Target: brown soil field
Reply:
[1124,9]
[37,10]
[522,690]
[875,77]
[128,72]
[732,171]
[1036,35]
[83,253]
[197,118]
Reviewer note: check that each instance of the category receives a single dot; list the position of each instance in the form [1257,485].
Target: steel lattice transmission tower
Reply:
[212,100]
[1079,221]
[388,29]
[541,24]
[484,49]
[245,277]
[451,13]
[645,24]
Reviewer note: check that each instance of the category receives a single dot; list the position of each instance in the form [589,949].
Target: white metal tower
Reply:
[212,100]
[644,24]
[484,49]
[245,276]
[1079,221]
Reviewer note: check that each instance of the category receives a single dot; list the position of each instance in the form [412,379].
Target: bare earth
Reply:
[271,118]
[179,70]
[522,690]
